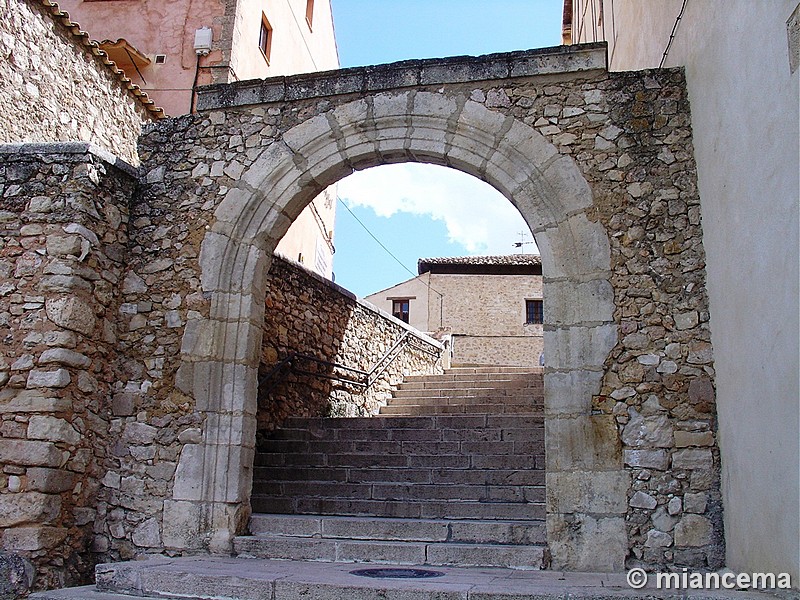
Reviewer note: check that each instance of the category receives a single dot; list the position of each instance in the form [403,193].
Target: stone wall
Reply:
[522,351]
[63,221]
[55,87]
[310,315]
[632,454]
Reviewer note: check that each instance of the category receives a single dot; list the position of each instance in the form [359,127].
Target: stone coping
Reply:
[408,73]
[33,148]
[363,303]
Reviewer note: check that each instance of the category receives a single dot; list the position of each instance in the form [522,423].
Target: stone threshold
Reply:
[253,579]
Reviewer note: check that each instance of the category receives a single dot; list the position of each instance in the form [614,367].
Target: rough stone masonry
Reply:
[132,303]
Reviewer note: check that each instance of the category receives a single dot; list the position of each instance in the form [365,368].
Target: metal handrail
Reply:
[366,379]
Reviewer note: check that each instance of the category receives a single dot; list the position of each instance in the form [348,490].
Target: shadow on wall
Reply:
[306,314]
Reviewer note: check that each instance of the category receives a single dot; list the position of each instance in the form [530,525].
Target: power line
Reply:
[389,252]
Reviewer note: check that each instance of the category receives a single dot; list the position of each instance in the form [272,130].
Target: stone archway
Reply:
[586,484]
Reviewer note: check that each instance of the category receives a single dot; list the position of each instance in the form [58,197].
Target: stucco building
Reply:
[490,307]
[169,49]
[742,65]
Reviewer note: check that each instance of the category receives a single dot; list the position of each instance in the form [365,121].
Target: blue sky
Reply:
[421,210]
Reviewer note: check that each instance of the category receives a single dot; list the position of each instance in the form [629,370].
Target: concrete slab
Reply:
[254,579]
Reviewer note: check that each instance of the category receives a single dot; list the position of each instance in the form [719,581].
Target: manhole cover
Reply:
[397,573]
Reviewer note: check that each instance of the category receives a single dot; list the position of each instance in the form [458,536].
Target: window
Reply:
[400,309]
[265,38]
[534,312]
[310,13]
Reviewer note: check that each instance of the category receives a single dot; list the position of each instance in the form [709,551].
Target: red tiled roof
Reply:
[508,260]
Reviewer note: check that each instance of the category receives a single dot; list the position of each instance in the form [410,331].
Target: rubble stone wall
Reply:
[63,226]
[310,315]
[54,89]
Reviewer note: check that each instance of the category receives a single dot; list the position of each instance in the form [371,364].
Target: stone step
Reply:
[414,447]
[404,530]
[318,425]
[196,578]
[401,509]
[532,432]
[514,384]
[459,369]
[476,399]
[264,476]
[485,390]
[458,409]
[422,435]
[384,460]
[467,373]
[399,491]
[389,552]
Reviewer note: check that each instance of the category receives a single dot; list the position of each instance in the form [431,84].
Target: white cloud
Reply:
[476,215]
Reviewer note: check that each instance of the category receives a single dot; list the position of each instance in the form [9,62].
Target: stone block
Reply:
[48,379]
[599,492]
[52,429]
[71,313]
[31,453]
[701,391]
[576,303]
[583,443]
[580,542]
[647,432]
[694,531]
[188,484]
[570,392]
[577,348]
[234,429]
[63,356]
[139,433]
[49,481]
[28,507]
[63,245]
[455,71]
[31,539]
[406,553]
[647,459]
[684,439]
[181,525]
[691,458]
[30,401]
[642,500]
[147,534]
[657,539]
[695,502]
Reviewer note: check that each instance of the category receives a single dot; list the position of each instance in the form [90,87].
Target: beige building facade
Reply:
[490,308]
[742,64]
[169,49]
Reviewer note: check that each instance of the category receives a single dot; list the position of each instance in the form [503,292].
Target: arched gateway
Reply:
[594,162]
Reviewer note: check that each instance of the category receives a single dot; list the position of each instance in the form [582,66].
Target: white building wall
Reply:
[745,104]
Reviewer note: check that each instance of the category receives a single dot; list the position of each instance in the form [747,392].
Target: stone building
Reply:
[168,49]
[742,64]
[489,307]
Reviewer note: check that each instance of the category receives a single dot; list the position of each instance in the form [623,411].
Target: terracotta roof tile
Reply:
[423,264]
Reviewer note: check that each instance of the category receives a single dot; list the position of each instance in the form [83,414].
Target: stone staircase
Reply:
[450,473]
